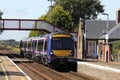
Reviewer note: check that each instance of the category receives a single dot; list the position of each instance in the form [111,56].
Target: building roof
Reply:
[114,33]
[95,28]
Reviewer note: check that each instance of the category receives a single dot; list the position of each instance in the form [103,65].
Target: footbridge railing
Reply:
[30,24]
[27,24]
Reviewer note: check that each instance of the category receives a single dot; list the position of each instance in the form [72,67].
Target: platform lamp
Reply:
[106,36]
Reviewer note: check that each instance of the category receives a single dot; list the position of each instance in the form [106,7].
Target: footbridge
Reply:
[30,24]
[27,24]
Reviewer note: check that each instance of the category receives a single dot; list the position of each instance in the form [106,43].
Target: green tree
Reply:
[36,33]
[60,17]
[116,47]
[86,9]
[43,17]
[115,50]
[67,12]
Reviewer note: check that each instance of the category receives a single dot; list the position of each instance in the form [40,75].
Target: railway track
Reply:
[35,74]
[39,72]
[62,75]
[45,73]
[80,76]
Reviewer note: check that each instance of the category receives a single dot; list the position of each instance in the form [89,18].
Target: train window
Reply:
[62,43]
[25,44]
[34,43]
[21,44]
[29,45]
[40,45]
[45,47]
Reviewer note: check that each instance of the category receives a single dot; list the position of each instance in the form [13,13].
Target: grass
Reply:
[14,48]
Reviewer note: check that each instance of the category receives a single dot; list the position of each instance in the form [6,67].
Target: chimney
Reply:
[118,16]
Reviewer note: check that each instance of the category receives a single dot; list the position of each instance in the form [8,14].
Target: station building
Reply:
[95,38]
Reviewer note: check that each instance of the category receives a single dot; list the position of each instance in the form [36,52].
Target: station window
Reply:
[118,17]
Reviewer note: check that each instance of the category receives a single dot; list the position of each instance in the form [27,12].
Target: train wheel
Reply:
[21,53]
[37,59]
[32,57]
[44,61]
[25,55]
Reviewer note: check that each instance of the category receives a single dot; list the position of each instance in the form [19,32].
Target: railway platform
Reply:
[99,69]
[10,71]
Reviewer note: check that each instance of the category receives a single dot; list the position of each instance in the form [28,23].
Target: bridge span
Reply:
[30,24]
[27,24]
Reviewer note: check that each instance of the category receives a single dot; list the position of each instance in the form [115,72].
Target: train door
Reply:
[34,44]
[21,48]
[40,46]
[45,46]
[25,46]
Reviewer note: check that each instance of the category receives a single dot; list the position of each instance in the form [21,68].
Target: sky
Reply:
[110,7]
[33,9]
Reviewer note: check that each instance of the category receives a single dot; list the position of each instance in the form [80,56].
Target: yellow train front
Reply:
[62,50]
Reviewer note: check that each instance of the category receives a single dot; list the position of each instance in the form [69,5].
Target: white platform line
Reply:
[99,66]
[20,69]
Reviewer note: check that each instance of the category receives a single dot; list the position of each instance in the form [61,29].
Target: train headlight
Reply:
[71,54]
[51,53]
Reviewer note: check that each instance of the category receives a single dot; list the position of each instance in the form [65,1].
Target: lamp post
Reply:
[84,34]
[106,37]
[1,13]
[51,10]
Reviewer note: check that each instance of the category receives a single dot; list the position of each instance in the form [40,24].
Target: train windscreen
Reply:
[62,43]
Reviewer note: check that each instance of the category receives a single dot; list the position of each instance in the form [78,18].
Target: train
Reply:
[52,49]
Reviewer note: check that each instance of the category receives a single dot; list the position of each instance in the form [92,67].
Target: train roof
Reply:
[45,36]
